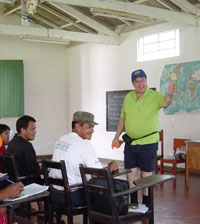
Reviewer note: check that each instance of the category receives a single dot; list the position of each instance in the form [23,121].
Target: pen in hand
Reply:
[10,181]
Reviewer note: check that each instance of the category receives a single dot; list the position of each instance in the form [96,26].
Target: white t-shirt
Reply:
[74,151]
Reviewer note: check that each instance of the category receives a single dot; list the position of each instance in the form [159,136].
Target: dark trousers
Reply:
[78,198]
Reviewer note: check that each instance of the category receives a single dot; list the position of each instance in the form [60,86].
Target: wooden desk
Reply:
[148,182]
[12,205]
[192,159]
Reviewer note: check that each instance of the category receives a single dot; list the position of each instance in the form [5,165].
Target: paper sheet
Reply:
[3,174]
[29,190]
[141,209]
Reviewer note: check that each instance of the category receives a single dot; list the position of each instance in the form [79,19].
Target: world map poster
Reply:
[187,93]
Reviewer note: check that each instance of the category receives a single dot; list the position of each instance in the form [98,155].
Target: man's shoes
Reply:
[134,206]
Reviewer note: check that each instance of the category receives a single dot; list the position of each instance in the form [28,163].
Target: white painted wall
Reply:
[94,69]
[45,82]
[60,80]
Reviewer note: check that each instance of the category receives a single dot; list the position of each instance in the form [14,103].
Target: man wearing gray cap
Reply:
[75,149]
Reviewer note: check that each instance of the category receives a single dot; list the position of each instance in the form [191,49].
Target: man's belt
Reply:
[62,191]
[57,191]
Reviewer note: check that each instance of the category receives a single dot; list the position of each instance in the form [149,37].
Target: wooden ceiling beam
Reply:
[65,18]
[16,30]
[12,10]
[85,19]
[139,9]
[169,5]
[186,6]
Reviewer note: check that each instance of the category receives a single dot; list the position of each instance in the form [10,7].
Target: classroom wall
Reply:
[60,80]
[94,69]
[45,87]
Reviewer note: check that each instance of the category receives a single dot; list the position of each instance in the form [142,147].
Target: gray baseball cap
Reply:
[85,117]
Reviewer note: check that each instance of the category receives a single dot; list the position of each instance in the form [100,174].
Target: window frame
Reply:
[145,54]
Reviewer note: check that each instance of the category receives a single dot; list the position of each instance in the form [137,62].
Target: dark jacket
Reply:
[25,157]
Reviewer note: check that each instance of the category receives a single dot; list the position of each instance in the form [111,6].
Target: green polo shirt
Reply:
[141,116]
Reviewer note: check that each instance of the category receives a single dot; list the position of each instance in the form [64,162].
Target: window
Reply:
[159,45]
[11,88]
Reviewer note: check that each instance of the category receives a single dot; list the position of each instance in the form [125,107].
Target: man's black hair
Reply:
[3,127]
[23,122]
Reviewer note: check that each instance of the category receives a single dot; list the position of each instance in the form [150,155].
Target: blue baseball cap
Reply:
[138,74]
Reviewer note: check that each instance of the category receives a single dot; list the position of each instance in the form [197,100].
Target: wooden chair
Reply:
[67,210]
[110,201]
[10,167]
[160,156]
[178,143]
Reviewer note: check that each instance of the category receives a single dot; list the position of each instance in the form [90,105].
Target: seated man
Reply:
[23,150]
[75,149]
[4,135]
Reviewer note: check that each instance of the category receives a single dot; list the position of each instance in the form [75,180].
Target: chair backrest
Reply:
[161,139]
[10,167]
[107,191]
[178,143]
[47,165]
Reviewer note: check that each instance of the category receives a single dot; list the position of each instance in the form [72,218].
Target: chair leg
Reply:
[28,214]
[50,217]
[46,211]
[58,217]
[161,167]
[69,219]
[156,167]
[175,174]
[151,206]
[85,218]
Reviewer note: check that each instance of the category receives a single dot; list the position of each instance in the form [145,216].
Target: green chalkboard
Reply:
[114,101]
[11,88]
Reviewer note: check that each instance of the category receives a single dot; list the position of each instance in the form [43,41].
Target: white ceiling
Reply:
[93,21]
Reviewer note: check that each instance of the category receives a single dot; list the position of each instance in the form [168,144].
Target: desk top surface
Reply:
[196,141]
[153,180]
[148,182]
[27,199]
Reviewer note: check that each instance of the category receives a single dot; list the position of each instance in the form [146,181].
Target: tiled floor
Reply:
[173,205]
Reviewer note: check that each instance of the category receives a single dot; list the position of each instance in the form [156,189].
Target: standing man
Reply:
[74,148]
[4,135]
[139,118]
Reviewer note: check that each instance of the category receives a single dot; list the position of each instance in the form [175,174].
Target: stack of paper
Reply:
[29,190]
[141,208]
